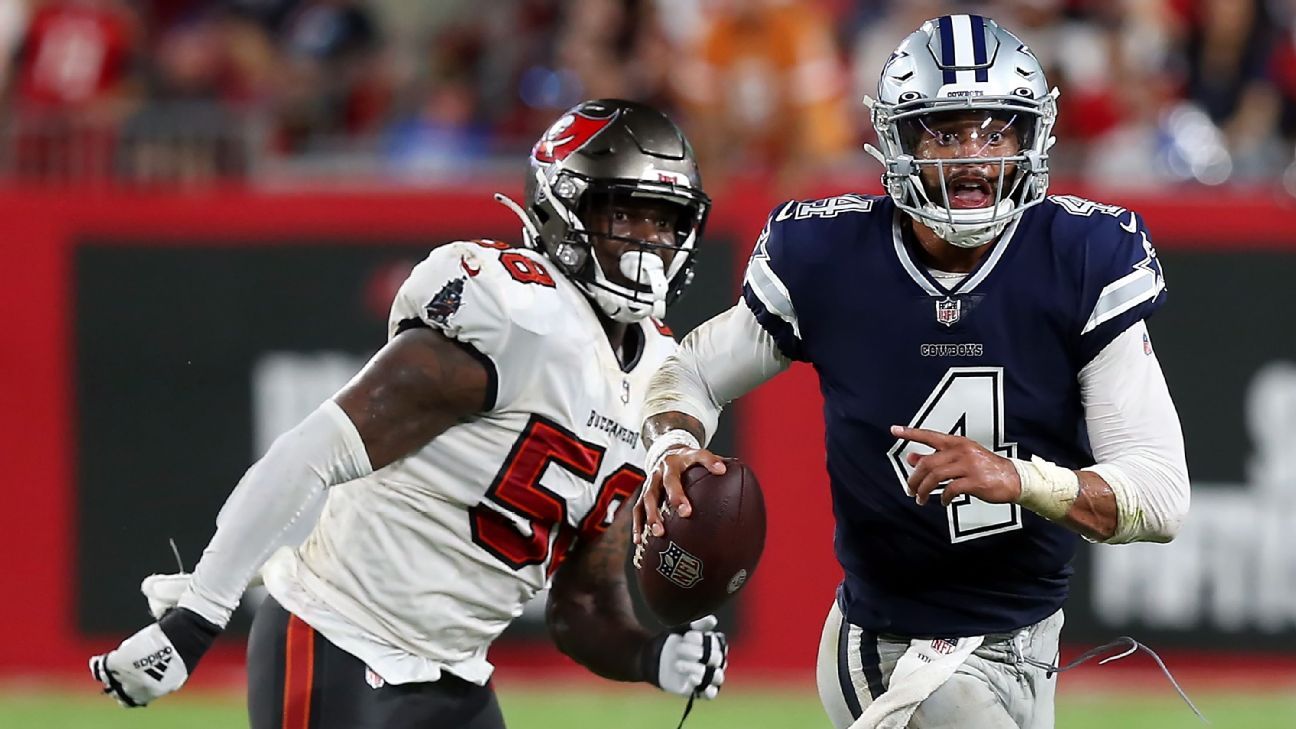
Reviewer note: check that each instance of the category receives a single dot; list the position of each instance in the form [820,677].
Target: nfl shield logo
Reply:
[679,566]
[948,311]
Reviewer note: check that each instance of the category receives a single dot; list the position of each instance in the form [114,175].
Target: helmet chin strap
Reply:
[966,233]
[528,227]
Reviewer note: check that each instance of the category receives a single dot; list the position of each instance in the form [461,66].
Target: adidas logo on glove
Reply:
[155,665]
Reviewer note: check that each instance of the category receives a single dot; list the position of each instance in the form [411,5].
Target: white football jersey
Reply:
[419,566]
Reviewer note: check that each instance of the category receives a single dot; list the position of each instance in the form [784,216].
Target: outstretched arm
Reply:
[414,388]
[417,386]
[721,360]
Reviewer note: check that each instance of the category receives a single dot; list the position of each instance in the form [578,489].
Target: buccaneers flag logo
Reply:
[567,135]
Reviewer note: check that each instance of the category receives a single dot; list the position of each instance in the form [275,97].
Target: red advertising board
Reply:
[780,434]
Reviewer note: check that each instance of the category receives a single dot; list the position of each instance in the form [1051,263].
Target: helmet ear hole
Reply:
[909,96]
[1023,92]
[570,256]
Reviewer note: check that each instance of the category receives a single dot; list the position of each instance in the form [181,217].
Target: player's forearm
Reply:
[657,425]
[1143,497]
[589,613]
[272,497]
[1093,514]
[719,361]
[599,631]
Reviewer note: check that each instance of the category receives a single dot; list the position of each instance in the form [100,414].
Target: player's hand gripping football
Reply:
[963,465]
[664,488]
[160,658]
[689,660]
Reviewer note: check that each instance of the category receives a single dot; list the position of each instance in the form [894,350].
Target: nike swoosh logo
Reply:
[785,213]
[1132,227]
[470,270]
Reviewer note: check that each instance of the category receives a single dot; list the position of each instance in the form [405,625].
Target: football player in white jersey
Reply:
[481,455]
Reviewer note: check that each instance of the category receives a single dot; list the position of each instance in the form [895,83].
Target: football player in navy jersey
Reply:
[991,394]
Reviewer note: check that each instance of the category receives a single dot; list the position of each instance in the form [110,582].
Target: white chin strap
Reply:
[966,228]
[627,306]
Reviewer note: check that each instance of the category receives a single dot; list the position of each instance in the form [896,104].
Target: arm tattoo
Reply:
[417,386]
[590,615]
[657,424]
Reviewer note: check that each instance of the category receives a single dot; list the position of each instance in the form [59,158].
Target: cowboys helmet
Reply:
[603,151]
[964,64]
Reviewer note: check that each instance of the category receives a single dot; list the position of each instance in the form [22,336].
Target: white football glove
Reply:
[692,659]
[163,591]
[155,661]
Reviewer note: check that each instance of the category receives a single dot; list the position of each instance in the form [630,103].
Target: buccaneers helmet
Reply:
[603,151]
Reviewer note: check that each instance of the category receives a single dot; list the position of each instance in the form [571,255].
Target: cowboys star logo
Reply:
[569,134]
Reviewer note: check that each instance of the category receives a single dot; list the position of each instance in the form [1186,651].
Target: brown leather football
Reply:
[707,558]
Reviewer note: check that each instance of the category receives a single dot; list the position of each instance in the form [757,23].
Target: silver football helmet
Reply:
[965,64]
[603,151]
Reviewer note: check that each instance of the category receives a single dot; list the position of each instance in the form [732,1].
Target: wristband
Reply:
[666,442]
[1046,489]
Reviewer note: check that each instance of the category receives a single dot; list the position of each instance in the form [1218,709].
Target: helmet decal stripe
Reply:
[963,57]
[946,27]
[979,48]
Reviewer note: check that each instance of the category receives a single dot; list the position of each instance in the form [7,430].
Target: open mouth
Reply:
[970,192]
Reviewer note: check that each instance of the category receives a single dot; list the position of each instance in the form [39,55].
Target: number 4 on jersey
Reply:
[968,401]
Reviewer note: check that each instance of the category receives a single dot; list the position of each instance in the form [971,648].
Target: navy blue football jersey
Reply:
[995,358]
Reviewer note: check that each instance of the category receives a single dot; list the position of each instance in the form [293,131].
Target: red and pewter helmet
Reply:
[611,150]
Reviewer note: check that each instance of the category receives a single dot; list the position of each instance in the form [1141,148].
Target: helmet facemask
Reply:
[643,282]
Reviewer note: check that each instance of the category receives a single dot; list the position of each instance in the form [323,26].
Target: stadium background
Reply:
[207,207]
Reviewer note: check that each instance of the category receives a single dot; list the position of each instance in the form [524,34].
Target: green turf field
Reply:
[567,709]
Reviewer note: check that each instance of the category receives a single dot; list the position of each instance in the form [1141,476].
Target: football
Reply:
[704,560]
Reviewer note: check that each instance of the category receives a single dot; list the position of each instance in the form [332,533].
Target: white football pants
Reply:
[992,689]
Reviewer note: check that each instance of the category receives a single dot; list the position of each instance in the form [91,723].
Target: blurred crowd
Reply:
[190,91]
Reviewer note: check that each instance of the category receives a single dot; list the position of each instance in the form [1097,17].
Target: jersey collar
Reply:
[918,272]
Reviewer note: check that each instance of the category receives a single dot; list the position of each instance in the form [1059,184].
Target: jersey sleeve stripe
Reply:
[788,341]
[772,293]
[1124,294]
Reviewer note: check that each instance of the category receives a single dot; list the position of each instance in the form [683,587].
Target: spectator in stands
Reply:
[334,83]
[1228,50]
[765,90]
[76,78]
